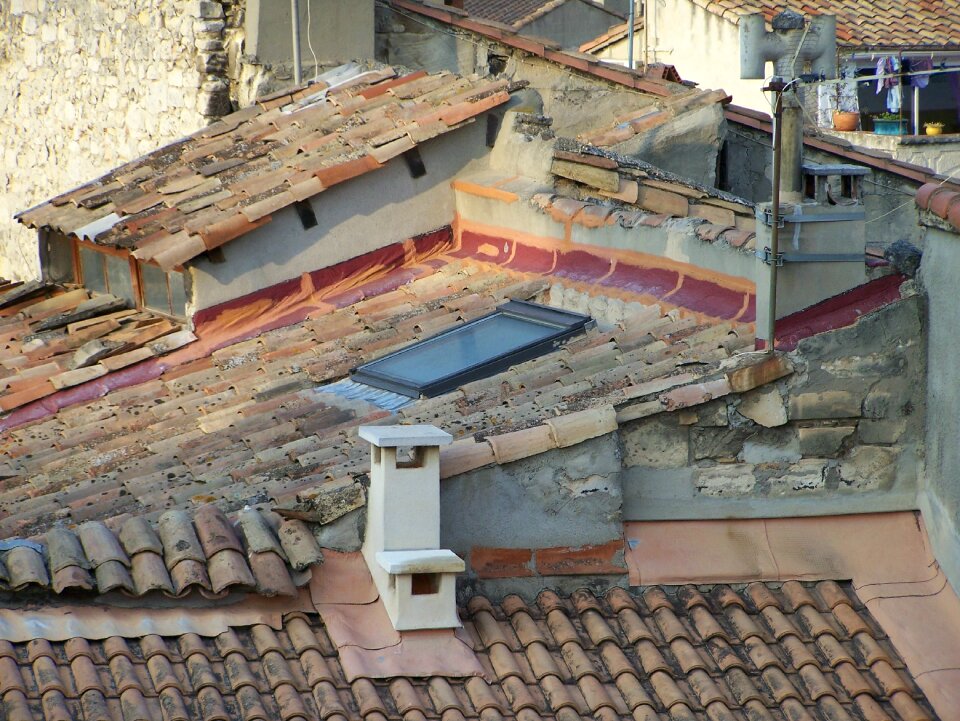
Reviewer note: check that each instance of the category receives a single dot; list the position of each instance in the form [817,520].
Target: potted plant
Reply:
[889,124]
[845,120]
[933,128]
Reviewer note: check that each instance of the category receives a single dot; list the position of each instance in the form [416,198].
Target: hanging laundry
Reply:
[894,99]
[888,77]
[918,65]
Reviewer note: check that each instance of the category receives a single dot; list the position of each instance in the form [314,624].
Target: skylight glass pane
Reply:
[516,332]
[444,355]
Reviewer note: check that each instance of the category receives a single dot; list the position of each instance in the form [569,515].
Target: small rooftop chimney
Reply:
[415,577]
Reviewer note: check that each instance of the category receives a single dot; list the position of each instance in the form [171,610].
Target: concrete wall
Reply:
[940,490]
[572,24]
[338,30]
[890,213]
[382,207]
[843,434]
[704,47]
[86,86]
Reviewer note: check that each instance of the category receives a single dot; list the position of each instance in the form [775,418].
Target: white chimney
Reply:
[415,577]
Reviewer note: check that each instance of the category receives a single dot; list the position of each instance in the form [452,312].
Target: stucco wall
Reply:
[87,86]
[577,103]
[704,47]
[940,491]
[572,24]
[382,207]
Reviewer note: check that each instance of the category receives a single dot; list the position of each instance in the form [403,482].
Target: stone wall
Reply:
[887,197]
[86,86]
[939,153]
[842,434]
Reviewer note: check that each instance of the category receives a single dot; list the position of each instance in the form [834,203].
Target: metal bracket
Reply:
[766,255]
[824,218]
[823,257]
[768,218]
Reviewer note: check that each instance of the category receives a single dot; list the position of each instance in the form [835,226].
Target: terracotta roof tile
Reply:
[253,160]
[861,23]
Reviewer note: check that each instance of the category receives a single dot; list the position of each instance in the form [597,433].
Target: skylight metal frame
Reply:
[566,324]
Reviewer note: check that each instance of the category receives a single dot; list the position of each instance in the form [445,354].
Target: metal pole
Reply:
[295,27]
[630,23]
[916,110]
[646,35]
[775,223]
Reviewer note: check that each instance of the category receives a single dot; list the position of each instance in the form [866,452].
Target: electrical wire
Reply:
[316,64]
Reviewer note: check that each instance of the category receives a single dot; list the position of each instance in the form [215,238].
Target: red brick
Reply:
[501,562]
[581,561]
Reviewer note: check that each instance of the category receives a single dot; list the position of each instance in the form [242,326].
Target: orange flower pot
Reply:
[845,121]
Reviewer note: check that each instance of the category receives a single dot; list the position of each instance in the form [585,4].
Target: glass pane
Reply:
[92,265]
[454,352]
[118,278]
[154,288]
[59,268]
[178,294]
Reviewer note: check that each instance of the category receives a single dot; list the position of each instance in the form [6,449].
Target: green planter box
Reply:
[889,127]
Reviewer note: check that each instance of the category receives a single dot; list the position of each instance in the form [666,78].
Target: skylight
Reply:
[517,331]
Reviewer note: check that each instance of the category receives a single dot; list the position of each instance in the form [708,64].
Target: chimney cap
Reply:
[396,436]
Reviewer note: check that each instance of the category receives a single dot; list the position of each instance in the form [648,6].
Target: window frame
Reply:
[136,277]
[567,324]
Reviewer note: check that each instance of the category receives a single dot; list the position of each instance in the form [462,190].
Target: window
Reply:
[105,270]
[163,292]
[58,264]
[517,331]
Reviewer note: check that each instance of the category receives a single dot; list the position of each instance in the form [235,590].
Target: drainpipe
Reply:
[295,27]
[633,6]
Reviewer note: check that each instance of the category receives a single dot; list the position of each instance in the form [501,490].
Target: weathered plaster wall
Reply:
[704,47]
[86,86]
[890,212]
[843,434]
[572,24]
[687,145]
[534,512]
[384,206]
[940,490]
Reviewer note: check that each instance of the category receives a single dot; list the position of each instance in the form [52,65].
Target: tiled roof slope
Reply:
[53,338]
[864,23]
[515,13]
[207,554]
[796,652]
[198,193]
[251,423]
